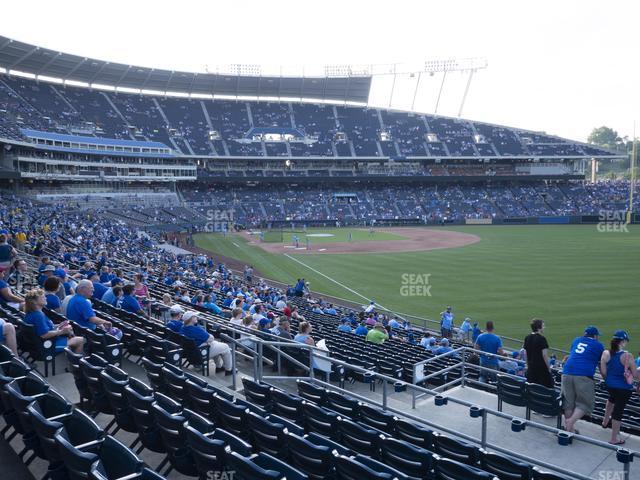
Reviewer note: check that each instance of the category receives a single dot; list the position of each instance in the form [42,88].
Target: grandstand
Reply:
[92,169]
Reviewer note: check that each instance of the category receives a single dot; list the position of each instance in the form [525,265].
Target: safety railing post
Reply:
[483,441]
[384,393]
[234,380]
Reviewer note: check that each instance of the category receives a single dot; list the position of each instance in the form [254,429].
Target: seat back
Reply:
[377,418]
[245,468]
[266,436]
[208,453]
[343,404]
[414,434]
[405,457]
[447,469]
[455,449]
[511,390]
[230,416]
[115,461]
[320,420]
[286,405]
[257,393]
[314,460]
[543,400]
[359,438]
[311,392]
[505,467]
[350,469]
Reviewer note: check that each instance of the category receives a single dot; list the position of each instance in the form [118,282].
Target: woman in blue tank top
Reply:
[613,364]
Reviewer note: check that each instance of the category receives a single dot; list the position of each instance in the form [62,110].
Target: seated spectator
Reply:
[110,296]
[220,351]
[175,318]
[79,308]
[465,330]
[393,323]
[128,302]
[62,333]
[237,315]
[8,335]
[7,253]
[98,289]
[6,294]
[370,321]
[378,334]
[424,341]
[344,327]
[210,305]
[51,286]
[283,329]
[18,275]
[304,334]
[444,347]
[362,330]
[47,272]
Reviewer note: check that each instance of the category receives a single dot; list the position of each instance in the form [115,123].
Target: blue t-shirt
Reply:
[40,321]
[361,330]
[447,320]
[490,343]
[195,332]
[80,311]
[109,297]
[344,328]
[53,302]
[584,357]
[129,304]
[3,284]
[213,307]
[175,325]
[98,290]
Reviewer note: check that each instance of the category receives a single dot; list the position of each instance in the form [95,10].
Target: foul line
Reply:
[334,281]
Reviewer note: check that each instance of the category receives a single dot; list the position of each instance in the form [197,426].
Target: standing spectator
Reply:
[578,387]
[140,290]
[475,332]
[489,342]
[465,330]
[616,365]
[537,348]
[446,322]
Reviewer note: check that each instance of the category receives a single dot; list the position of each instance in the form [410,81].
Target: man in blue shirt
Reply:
[578,387]
[79,309]
[220,351]
[489,342]
[343,327]
[175,318]
[98,289]
[362,330]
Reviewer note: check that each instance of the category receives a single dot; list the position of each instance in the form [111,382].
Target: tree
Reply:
[605,137]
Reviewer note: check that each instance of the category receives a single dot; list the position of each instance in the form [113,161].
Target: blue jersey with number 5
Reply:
[584,357]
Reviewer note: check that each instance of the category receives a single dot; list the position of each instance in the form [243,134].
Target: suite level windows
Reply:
[480,138]
[431,138]
[214,135]
[340,137]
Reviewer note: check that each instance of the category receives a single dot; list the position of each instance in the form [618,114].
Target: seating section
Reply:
[221,127]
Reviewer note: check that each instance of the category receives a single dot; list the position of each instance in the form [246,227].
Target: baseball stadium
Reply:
[238,274]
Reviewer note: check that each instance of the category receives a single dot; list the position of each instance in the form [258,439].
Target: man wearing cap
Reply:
[377,334]
[220,351]
[47,272]
[446,322]
[578,387]
[175,318]
[109,296]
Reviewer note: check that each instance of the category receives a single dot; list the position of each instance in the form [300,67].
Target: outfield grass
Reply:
[570,275]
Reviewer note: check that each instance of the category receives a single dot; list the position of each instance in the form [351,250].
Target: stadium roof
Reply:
[24,57]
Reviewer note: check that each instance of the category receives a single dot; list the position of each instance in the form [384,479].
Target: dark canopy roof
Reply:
[24,57]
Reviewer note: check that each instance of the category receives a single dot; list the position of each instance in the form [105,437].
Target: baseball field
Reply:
[571,275]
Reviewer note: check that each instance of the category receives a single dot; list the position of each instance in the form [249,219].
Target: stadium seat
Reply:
[343,404]
[261,467]
[115,462]
[414,434]
[311,392]
[195,355]
[140,398]
[47,415]
[348,468]
[377,418]
[407,458]
[455,449]
[230,416]
[79,442]
[257,393]
[114,381]
[359,438]
[208,453]
[36,348]
[545,401]
[512,391]
[91,367]
[73,362]
[266,436]
[504,467]
[286,405]
[174,379]
[316,461]
[381,467]
[447,469]
[320,420]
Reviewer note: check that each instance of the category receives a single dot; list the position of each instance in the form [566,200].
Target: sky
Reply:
[561,66]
